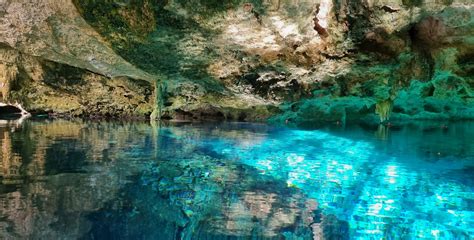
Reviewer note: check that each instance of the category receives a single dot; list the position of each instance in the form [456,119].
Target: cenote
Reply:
[237,119]
[135,180]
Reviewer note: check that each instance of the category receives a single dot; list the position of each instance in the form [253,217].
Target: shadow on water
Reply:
[131,180]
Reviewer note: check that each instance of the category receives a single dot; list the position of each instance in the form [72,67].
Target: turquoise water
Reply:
[122,180]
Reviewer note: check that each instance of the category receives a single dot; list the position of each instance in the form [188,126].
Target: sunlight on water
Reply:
[66,179]
[376,193]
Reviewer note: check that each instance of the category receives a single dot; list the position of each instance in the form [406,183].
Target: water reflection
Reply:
[121,180]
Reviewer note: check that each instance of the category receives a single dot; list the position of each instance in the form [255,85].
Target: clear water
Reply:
[114,180]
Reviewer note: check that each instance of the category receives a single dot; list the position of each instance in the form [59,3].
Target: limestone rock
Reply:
[329,60]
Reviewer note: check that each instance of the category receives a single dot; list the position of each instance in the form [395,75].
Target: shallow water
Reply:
[121,180]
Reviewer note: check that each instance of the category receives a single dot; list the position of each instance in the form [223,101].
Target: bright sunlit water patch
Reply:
[114,180]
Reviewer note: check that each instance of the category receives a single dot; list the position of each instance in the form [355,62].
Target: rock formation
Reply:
[53,61]
[285,60]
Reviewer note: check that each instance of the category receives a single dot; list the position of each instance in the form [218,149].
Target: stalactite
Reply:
[159,98]
[384,109]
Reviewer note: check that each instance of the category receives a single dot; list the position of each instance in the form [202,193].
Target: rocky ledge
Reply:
[283,60]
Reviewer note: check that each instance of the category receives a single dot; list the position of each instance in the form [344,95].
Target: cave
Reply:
[236,119]
[9,110]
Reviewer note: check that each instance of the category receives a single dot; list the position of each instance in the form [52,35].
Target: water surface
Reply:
[121,180]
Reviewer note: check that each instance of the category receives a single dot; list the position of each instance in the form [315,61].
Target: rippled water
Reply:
[116,180]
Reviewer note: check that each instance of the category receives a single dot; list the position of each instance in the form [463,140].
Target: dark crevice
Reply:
[9,110]
[333,57]
[424,51]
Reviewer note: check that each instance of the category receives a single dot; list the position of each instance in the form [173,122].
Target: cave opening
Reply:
[9,110]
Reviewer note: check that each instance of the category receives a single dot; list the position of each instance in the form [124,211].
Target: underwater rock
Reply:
[330,228]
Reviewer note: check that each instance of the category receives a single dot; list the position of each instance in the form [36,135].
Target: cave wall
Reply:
[54,61]
[287,60]
[338,60]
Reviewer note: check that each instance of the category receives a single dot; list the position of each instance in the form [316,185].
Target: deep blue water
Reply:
[123,180]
